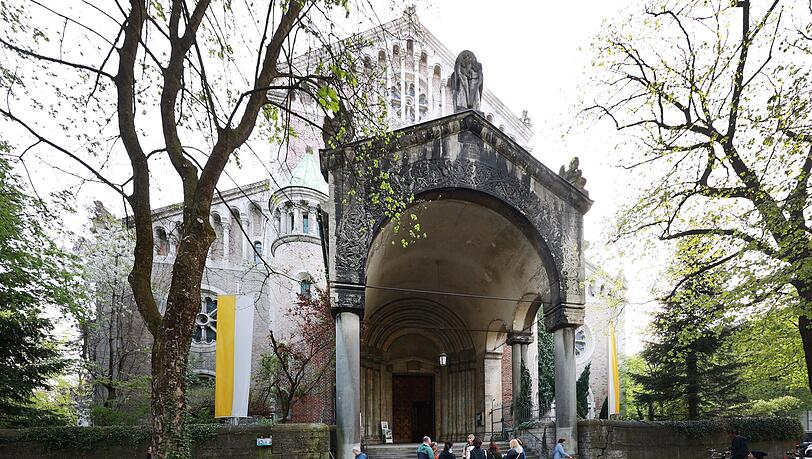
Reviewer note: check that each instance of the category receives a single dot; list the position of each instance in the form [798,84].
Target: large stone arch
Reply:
[462,152]
[461,157]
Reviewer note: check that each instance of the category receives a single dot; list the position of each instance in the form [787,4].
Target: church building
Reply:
[431,338]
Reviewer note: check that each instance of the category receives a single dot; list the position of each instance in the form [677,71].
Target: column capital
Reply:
[564,315]
[347,297]
[519,337]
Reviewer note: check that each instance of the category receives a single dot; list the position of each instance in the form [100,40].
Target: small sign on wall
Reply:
[264,441]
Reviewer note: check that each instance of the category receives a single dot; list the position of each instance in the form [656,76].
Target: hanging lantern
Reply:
[443,359]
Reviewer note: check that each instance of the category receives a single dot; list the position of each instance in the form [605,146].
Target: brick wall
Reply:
[507,375]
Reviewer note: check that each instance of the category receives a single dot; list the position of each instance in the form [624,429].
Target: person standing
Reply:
[358,454]
[516,450]
[447,452]
[559,452]
[493,451]
[434,450]
[466,453]
[738,446]
[424,450]
[477,452]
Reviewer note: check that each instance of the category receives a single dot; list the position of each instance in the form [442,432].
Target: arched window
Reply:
[410,46]
[206,320]
[396,50]
[437,71]
[257,252]
[367,63]
[424,58]
[291,221]
[161,242]
[410,91]
[381,59]
[306,287]
[277,222]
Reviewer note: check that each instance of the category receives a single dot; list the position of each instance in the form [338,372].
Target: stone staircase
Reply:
[409,451]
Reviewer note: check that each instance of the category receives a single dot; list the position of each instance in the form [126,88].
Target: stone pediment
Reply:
[471,128]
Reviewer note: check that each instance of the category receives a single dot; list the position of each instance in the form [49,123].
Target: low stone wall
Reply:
[601,439]
[290,441]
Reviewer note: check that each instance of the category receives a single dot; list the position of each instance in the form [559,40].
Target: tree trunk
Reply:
[692,384]
[804,324]
[170,349]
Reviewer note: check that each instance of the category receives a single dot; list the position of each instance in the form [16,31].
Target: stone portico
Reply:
[504,239]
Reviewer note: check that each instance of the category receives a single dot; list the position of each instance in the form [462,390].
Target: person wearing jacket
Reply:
[516,450]
[447,452]
[559,452]
[424,450]
[493,451]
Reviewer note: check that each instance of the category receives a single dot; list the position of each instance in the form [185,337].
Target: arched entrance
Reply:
[441,295]
[504,237]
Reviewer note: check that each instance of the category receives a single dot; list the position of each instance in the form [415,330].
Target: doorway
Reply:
[412,408]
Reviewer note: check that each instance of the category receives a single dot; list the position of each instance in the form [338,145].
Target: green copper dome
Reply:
[308,174]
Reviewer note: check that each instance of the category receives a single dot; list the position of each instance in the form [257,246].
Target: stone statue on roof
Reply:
[574,175]
[466,82]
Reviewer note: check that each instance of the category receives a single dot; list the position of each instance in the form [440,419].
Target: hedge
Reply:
[752,428]
[88,438]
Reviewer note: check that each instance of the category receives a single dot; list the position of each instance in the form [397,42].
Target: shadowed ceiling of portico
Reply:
[470,249]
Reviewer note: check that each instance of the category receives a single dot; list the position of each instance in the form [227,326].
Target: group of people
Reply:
[473,450]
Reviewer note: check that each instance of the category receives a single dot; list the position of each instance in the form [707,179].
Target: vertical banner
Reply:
[614,373]
[235,333]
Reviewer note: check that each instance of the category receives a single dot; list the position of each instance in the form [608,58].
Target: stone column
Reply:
[402,82]
[566,417]
[416,70]
[430,86]
[226,221]
[519,342]
[492,380]
[348,304]
[442,96]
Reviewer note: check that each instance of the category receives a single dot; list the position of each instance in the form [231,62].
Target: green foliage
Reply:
[692,370]
[546,365]
[772,356]
[36,277]
[525,404]
[754,429]
[784,406]
[718,135]
[88,438]
[582,393]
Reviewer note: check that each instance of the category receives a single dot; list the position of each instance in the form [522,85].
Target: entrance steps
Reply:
[409,450]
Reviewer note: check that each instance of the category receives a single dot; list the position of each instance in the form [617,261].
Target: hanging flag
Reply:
[614,374]
[235,330]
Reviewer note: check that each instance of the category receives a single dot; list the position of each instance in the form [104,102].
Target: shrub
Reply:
[752,428]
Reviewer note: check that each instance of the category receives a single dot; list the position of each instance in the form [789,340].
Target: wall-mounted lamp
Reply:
[443,359]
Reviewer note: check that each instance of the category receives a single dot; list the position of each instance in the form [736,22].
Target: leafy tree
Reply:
[772,357]
[582,393]
[719,117]
[115,354]
[177,88]
[546,363]
[692,370]
[297,364]
[524,407]
[35,276]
